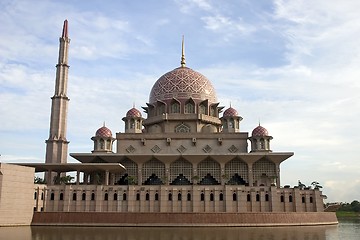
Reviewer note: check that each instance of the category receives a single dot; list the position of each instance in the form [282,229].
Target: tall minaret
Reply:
[57,144]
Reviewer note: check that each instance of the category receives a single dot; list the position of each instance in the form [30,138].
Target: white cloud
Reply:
[227,26]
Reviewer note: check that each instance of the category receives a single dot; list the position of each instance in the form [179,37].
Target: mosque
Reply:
[181,161]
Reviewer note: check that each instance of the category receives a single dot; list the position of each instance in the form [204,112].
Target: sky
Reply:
[292,65]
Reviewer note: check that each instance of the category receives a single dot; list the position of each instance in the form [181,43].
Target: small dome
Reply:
[260,131]
[182,83]
[133,113]
[230,112]
[103,132]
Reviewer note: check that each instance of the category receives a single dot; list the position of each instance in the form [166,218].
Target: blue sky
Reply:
[292,64]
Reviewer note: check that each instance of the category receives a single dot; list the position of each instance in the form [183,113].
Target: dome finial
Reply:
[183,63]
[104,124]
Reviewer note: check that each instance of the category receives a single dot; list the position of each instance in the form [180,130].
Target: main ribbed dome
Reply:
[182,83]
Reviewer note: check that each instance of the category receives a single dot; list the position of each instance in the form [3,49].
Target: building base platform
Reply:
[183,219]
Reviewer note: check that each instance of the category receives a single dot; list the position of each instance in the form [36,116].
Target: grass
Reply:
[347,214]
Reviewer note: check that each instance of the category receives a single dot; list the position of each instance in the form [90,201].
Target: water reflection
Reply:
[169,233]
[348,229]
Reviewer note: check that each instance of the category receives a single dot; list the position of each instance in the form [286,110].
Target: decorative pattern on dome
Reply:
[103,132]
[182,83]
[133,113]
[259,131]
[230,112]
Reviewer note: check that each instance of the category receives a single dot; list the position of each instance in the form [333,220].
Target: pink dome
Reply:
[103,132]
[259,131]
[182,83]
[133,113]
[230,112]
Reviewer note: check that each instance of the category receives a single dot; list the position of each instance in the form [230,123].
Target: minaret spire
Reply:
[65,29]
[183,63]
[57,144]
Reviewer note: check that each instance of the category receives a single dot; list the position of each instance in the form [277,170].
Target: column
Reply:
[250,175]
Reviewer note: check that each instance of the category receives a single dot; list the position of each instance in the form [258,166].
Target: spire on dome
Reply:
[65,29]
[183,63]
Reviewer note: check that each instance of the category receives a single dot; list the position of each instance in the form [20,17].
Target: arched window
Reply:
[290,198]
[248,198]
[257,197]
[61,196]
[42,196]
[188,197]
[213,111]
[182,128]
[170,197]
[102,144]
[234,197]
[74,196]
[83,196]
[179,197]
[221,197]
[138,197]
[106,196]
[160,108]
[138,125]
[231,123]
[311,199]
[202,197]
[211,197]
[124,197]
[266,197]
[35,195]
[281,198]
[303,199]
[147,197]
[52,196]
[156,197]
[262,143]
[92,196]
[115,197]
[202,109]
[189,107]
[175,107]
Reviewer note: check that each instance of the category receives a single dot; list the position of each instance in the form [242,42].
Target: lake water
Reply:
[348,229]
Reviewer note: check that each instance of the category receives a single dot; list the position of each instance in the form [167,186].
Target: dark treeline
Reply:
[354,206]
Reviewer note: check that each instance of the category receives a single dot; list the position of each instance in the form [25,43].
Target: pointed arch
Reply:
[175,106]
[130,176]
[189,106]
[263,168]
[160,108]
[209,169]
[236,172]
[182,128]
[180,166]
[152,169]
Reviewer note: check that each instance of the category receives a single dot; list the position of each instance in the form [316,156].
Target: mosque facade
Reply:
[183,153]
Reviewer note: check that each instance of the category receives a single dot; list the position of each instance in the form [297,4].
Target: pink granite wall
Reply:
[183,219]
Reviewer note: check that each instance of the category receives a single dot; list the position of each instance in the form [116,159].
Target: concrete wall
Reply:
[155,198]
[16,195]
[183,219]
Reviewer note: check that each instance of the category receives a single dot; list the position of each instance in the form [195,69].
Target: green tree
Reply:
[39,180]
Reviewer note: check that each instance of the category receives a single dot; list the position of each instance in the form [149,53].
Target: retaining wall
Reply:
[183,219]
